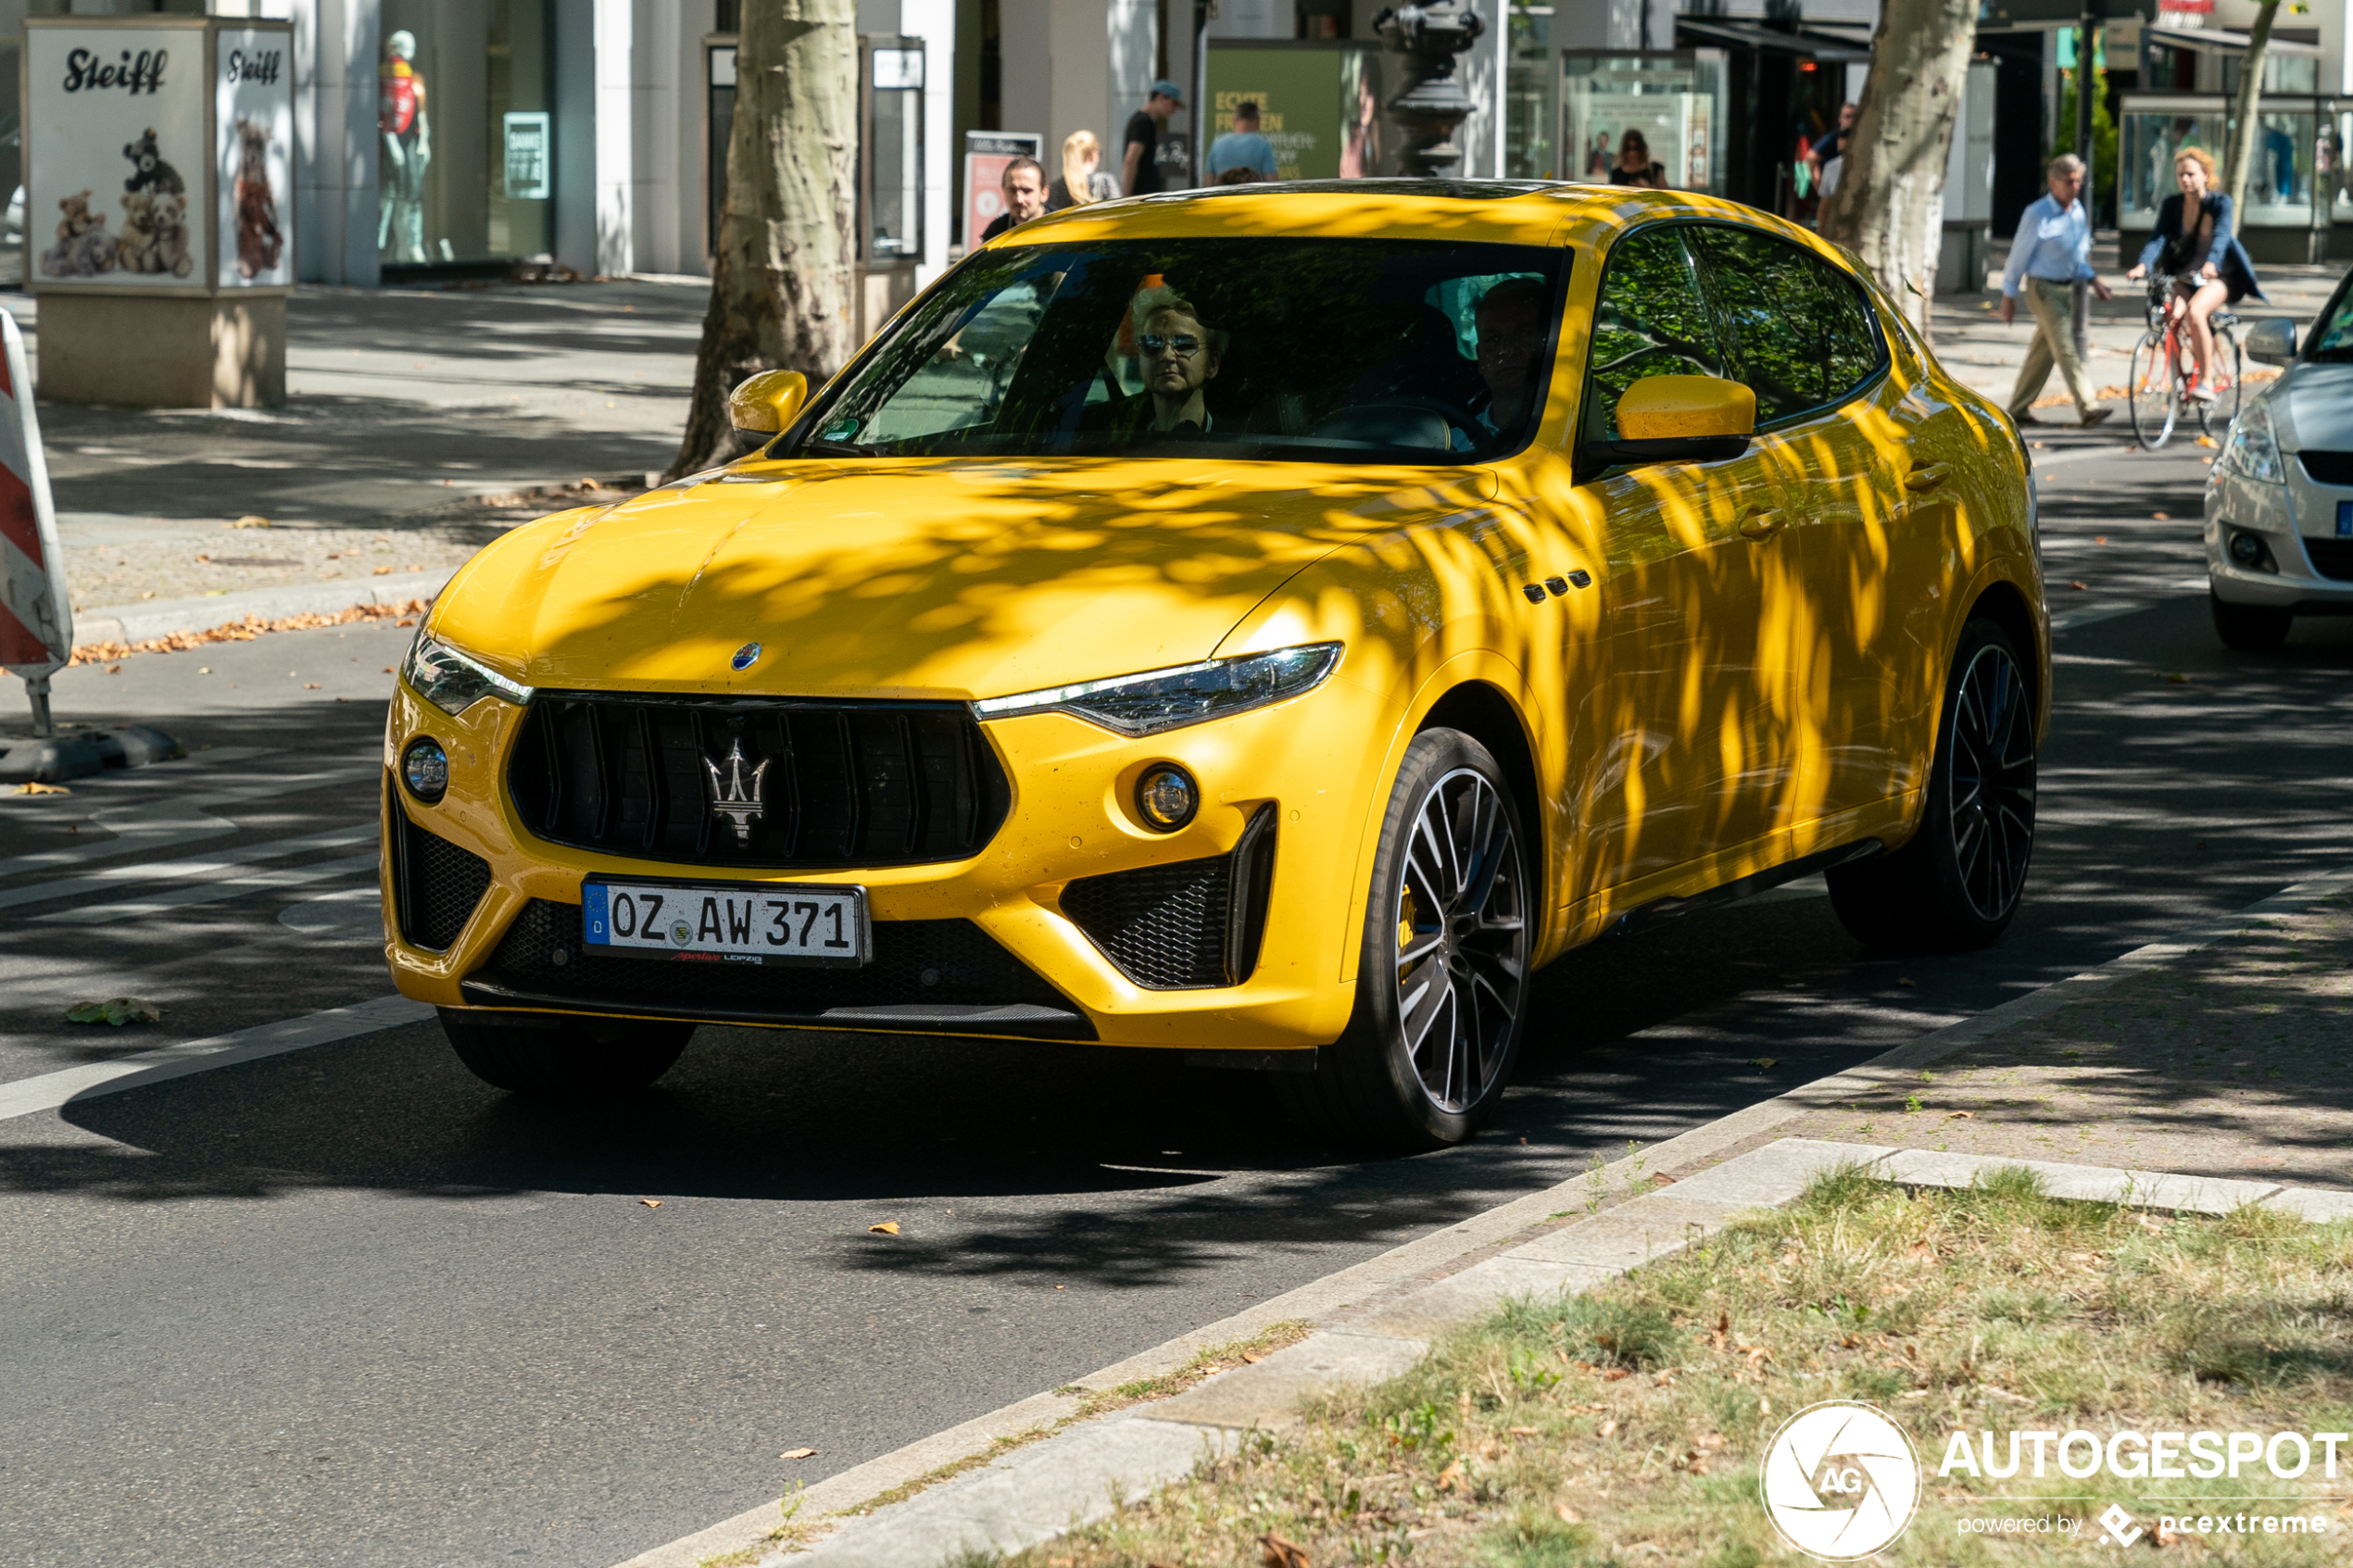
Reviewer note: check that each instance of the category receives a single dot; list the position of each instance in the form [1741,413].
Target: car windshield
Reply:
[1362,351]
[2331,341]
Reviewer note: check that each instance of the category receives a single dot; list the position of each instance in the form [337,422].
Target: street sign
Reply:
[36,616]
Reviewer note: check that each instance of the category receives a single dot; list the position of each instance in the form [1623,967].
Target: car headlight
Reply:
[1189,694]
[454,681]
[2251,448]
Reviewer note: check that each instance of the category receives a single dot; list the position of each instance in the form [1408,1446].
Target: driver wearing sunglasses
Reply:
[1180,358]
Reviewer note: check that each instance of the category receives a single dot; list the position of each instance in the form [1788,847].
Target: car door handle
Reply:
[1928,476]
[1763,523]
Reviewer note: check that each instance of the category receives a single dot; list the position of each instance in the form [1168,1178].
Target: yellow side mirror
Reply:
[1685,408]
[766,403]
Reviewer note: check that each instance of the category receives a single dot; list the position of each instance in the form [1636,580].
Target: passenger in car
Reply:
[1180,358]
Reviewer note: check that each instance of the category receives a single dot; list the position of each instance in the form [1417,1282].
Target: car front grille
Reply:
[928,975]
[2332,557]
[821,786]
[436,884]
[1190,925]
[2329,468]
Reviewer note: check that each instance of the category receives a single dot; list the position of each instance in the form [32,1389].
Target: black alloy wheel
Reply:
[1957,883]
[1442,974]
[556,1056]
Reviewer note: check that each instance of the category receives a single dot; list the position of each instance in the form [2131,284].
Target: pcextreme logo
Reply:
[1841,1480]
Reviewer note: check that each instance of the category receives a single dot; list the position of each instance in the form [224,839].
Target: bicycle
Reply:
[2165,364]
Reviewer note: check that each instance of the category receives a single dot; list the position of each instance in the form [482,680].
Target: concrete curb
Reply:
[1414,1291]
[162,618]
[1080,1475]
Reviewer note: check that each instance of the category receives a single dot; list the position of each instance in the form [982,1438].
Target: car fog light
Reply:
[1166,797]
[2249,551]
[424,768]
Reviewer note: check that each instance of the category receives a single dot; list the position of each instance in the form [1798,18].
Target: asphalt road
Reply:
[346,1305]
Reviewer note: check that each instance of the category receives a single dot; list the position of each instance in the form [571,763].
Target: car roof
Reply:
[1493,212]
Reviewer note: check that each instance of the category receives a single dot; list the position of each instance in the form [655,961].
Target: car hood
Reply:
[2313,408]
[912,579]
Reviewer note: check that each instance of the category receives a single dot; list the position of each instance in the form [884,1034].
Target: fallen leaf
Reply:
[204,557]
[2086,587]
[1609,1428]
[44,789]
[381,571]
[387,668]
[2162,517]
[798,1454]
[1451,1477]
[2099,539]
[1568,1516]
[1280,1553]
[116,1010]
[650,1202]
[1921,1251]
[2175,678]
[1523,1431]
[1710,1442]
[1765,1062]
[251,520]
[1723,1329]
[2167,1534]
[2202,441]
[1959,1115]
[311,685]
[1253,1356]
[890,1227]
[1907,982]
[1615,1373]
[114,669]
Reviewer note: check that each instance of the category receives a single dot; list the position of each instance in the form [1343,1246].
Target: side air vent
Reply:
[1187,926]
[436,884]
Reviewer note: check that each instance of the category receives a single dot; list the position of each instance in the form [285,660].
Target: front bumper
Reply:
[984,945]
[2297,524]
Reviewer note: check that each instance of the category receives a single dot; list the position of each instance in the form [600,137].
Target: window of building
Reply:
[465,132]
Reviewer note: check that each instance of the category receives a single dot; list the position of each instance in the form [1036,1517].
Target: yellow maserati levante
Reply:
[1264,623]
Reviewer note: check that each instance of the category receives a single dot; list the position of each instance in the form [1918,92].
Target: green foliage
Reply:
[1532,1537]
[1603,1330]
[2104,164]
[1418,1428]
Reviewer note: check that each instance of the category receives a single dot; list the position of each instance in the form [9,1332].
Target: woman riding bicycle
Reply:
[2196,246]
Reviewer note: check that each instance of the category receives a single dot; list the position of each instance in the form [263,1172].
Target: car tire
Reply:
[2249,628]
[1452,874]
[551,1055]
[1957,883]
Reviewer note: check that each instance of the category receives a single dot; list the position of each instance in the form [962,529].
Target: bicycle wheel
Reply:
[2223,375]
[2154,390]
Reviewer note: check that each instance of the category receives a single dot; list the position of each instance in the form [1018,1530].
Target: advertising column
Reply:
[158,205]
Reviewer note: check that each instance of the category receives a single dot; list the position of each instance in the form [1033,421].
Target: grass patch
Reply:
[1626,1426]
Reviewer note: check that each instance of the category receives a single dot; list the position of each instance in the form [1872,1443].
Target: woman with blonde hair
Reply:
[1083,183]
[2193,243]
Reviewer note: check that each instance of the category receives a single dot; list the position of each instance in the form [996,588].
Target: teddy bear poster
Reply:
[116,189]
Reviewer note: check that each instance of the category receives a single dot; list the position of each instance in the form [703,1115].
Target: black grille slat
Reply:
[946,964]
[2332,557]
[437,885]
[849,784]
[1164,926]
[2329,468]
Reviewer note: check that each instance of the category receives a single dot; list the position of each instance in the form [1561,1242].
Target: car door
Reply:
[1807,345]
[1696,737]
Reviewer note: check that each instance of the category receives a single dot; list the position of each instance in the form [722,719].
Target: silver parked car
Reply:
[2279,506]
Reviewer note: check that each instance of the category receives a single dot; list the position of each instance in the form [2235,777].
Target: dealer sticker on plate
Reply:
[735,922]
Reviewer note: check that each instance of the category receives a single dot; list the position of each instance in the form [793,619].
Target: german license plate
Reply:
[733,922]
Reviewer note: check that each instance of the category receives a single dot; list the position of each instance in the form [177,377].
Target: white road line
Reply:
[210,893]
[51,1091]
[159,870]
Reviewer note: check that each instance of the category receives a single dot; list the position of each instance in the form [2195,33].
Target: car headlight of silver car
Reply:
[2251,448]
[1189,694]
[454,681]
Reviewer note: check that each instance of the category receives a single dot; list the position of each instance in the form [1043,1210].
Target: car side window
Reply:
[1653,320]
[1798,325]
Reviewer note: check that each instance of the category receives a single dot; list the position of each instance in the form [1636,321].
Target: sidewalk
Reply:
[418,426]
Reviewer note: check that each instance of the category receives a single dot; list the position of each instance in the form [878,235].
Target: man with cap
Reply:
[1140,169]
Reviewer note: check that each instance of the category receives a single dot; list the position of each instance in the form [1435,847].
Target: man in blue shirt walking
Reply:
[2050,256]
[1242,147]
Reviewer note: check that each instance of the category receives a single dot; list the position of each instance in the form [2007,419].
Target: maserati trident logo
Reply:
[735,796]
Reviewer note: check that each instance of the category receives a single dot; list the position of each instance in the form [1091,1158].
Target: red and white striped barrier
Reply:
[36,617]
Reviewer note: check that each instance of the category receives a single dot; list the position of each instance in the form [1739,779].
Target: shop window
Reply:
[1675,101]
[465,132]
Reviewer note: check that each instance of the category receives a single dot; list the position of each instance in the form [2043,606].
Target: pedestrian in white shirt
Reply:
[2050,256]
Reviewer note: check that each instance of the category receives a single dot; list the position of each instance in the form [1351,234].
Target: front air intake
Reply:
[1187,926]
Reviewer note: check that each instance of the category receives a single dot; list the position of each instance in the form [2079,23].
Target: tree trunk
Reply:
[1889,208]
[2243,135]
[780,285]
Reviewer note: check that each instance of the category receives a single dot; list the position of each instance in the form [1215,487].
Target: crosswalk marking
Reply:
[113,877]
[211,892]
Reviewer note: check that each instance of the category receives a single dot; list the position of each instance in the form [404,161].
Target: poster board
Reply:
[117,159]
[985,155]
[138,178]
[253,155]
[1318,103]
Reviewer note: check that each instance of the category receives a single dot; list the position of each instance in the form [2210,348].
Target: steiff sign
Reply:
[159,207]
